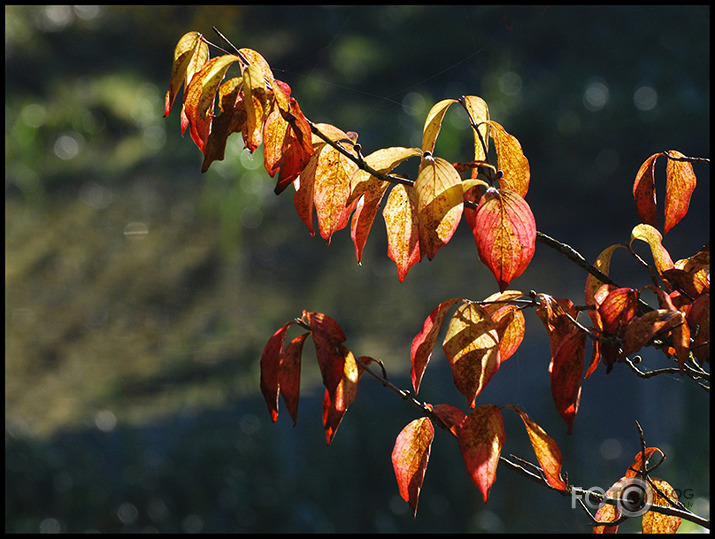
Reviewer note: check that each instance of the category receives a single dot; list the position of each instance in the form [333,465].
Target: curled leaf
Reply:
[433,124]
[644,192]
[680,184]
[653,238]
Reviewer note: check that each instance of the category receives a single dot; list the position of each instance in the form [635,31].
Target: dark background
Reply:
[140,293]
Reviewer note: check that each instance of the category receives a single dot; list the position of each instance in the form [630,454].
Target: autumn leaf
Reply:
[439,203]
[547,452]
[472,348]
[303,197]
[289,375]
[190,54]
[698,319]
[657,522]
[618,308]
[334,407]
[331,190]
[402,224]
[567,344]
[680,184]
[200,95]
[509,321]
[270,369]
[433,124]
[644,192]
[451,417]
[327,336]
[255,98]
[607,512]
[479,113]
[654,239]
[231,120]
[410,457]
[505,233]
[424,342]
[363,218]
[635,469]
[383,161]
[511,161]
[481,438]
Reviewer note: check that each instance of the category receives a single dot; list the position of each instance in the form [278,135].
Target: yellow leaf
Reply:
[433,124]
[403,242]
[511,161]
[652,237]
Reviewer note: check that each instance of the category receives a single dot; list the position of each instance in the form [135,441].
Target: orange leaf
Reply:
[190,54]
[618,308]
[303,197]
[270,369]
[401,221]
[511,161]
[566,372]
[331,190]
[657,522]
[509,322]
[505,233]
[289,375]
[449,415]
[433,124]
[680,185]
[231,120]
[607,512]
[439,203]
[547,452]
[410,457]
[481,438]
[699,322]
[383,161]
[254,90]
[424,341]
[472,348]
[200,95]
[334,407]
[363,218]
[644,192]
[635,469]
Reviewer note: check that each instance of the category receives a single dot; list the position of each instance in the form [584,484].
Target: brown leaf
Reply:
[644,192]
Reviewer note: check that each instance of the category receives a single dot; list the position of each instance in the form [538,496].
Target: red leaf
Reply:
[546,450]
[334,408]
[472,348]
[270,369]
[449,415]
[644,192]
[481,438]
[410,457]
[566,372]
[363,218]
[505,234]
[424,341]
[289,375]
[509,322]
[634,470]
[327,336]
[680,185]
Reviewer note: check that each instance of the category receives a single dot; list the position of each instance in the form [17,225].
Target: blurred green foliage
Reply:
[139,293]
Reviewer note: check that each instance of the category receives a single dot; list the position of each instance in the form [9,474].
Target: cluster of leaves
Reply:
[332,178]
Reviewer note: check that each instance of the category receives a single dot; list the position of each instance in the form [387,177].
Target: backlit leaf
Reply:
[439,203]
[505,233]
[231,120]
[335,406]
[402,224]
[511,161]
[479,112]
[433,124]
[331,190]
[449,415]
[644,192]
[657,522]
[481,438]
[680,184]
[327,336]
[424,342]
[699,322]
[190,54]
[547,452]
[383,161]
[607,512]
[254,90]
[472,348]
[509,321]
[200,95]
[270,369]
[363,218]
[410,457]
[566,373]
[635,469]
[653,238]
[303,197]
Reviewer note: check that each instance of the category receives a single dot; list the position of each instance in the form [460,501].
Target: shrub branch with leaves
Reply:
[341,186]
